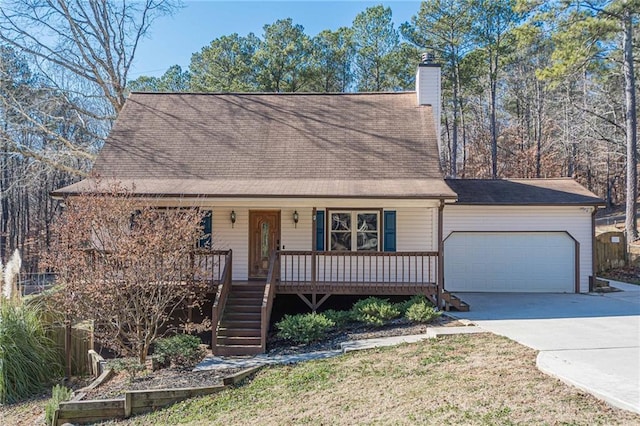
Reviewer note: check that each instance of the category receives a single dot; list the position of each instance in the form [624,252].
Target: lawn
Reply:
[465,379]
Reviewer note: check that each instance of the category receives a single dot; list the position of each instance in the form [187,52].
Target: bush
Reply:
[28,358]
[131,366]
[181,350]
[58,394]
[375,311]
[339,318]
[422,312]
[304,328]
[404,306]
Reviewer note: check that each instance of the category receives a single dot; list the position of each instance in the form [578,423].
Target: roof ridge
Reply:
[139,92]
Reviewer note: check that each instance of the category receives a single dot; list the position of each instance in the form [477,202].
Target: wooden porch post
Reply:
[440,273]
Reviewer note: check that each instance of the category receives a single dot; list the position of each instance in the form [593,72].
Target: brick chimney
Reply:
[428,88]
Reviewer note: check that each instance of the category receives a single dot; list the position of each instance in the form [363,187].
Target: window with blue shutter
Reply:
[320,230]
[206,224]
[389,231]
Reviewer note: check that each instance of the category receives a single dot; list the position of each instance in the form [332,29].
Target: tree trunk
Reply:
[539,113]
[454,134]
[494,131]
[631,120]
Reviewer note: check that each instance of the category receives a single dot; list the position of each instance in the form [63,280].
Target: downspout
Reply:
[314,245]
[592,280]
[440,278]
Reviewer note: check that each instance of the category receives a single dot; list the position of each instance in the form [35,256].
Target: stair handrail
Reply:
[267,299]
[221,298]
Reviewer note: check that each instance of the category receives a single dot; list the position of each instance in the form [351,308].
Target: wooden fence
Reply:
[611,251]
[81,343]
[136,402]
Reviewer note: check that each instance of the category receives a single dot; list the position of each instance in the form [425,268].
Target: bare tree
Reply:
[125,265]
[94,40]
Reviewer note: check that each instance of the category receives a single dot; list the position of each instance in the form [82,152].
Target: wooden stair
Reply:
[239,330]
[451,301]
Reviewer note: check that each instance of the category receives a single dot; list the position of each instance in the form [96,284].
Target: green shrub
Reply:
[304,328]
[181,350]
[131,366]
[28,358]
[375,311]
[58,394]
[422,312]
[339,318]
[404,306]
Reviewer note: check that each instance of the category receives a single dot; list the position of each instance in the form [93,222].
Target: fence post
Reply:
[67,347]
[127,404]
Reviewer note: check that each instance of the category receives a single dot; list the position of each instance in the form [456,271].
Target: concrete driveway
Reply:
[591,341]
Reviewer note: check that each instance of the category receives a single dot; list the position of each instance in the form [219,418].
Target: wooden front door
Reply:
[264,239]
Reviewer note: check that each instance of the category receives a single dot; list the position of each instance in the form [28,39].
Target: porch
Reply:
[242,309]
[316,275]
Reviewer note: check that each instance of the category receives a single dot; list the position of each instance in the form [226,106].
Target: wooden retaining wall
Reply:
[136,402]
[83,412]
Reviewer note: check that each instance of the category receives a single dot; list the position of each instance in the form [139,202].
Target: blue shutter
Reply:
[320,230]
[389,231]
[207,226]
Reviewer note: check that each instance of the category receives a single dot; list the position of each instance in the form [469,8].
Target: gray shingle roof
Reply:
[522,192]
[275,144]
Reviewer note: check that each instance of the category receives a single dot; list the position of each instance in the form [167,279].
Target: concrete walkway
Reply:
[591,341]
[217,363]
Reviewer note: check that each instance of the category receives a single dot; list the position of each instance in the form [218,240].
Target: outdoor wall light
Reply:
[296,218]
[233,217]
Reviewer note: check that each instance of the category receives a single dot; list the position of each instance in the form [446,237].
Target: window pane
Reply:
[341,221]
[367,241]
[367,222]
[264,240]
[341,241]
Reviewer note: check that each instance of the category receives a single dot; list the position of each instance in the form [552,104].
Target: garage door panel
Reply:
[510,262]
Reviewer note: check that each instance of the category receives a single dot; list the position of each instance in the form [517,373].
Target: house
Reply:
[321,194]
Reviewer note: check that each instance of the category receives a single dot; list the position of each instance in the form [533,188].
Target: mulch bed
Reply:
[628,274]
[172,378]
[356,331]
[166,378]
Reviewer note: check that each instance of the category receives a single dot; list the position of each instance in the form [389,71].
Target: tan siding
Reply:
[574,220]
[296,238]
[236,238]
[415,229]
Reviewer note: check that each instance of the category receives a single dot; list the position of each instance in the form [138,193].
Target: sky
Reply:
[171,40]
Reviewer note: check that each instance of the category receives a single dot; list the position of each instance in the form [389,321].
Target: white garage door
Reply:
[509,262]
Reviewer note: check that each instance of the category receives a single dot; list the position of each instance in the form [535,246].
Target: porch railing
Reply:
[267,300]
[364,268]
[222,292]
[209,265]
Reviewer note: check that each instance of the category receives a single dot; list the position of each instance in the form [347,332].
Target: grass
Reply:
[466,379]
[28,358]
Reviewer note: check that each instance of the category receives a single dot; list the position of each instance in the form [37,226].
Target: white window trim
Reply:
[354,231]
